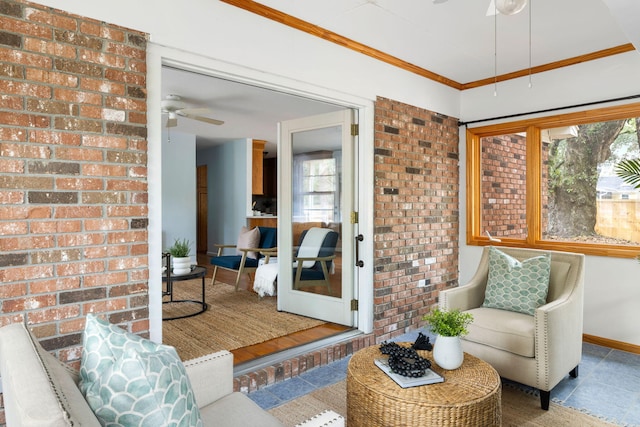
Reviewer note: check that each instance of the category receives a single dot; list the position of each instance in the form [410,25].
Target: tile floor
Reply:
[608,384]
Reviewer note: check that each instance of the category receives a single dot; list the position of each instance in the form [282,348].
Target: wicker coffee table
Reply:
[469,395]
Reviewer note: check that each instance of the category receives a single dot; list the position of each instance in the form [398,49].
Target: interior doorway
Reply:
[218,96]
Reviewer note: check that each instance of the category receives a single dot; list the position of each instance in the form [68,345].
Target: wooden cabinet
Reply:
[257,186]
[268,221]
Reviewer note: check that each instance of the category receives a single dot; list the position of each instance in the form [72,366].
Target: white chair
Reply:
[539,350]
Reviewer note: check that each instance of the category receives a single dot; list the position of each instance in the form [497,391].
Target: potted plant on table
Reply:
[180,252]
[449,326]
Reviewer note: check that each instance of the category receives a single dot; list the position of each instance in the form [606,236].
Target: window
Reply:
[316,188]
[551,183]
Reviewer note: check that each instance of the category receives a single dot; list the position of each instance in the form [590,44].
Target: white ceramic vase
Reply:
[447,352]
[181,265]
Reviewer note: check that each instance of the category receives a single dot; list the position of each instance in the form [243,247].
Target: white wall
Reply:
[226,190]
[257,49]
[179,198]
[612,289]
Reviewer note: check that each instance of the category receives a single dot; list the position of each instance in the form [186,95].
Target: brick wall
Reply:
[416,214]
[73,174]
[503,163]
[416,231]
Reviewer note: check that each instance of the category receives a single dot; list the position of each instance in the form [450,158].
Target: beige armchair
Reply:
[539,350]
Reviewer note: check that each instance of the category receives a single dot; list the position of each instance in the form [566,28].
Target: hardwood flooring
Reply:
[246,354]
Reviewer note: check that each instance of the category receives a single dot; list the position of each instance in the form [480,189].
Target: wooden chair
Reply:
[242,263]
[314,270]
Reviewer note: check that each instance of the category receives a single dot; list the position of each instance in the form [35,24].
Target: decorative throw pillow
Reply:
[107,368]
[144,389]
[248,239]
[514,285]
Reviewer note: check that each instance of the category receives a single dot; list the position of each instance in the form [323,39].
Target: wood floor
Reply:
[246,354]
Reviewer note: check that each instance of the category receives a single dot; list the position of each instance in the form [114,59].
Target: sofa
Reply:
[41,391]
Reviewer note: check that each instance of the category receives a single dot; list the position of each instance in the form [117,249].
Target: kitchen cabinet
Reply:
[265,221]
[257,167]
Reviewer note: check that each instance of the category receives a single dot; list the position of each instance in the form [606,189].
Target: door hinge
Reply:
[354,305]
[354,217]
[355,129]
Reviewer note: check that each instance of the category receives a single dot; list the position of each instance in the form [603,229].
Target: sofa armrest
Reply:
[211,376]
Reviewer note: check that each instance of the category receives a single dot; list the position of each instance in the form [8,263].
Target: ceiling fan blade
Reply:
[201,119]
[172,122]
[194,111]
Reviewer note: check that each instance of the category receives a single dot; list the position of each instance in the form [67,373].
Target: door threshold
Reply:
[271,359]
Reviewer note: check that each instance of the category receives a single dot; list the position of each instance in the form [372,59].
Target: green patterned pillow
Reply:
[514,285]
[112,381]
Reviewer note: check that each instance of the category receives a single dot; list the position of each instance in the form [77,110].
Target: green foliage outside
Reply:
[452,323]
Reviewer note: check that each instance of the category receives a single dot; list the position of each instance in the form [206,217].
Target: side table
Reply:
[196,272]
[469,395]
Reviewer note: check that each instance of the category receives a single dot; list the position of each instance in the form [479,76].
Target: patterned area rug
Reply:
[519,408]
[233,320]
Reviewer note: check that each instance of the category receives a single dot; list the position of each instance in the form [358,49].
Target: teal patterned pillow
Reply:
[112,360]
[514,285]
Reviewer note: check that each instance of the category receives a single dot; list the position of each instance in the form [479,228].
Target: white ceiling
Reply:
[442,37]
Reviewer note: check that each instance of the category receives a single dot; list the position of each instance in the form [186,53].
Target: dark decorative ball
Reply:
[405,361]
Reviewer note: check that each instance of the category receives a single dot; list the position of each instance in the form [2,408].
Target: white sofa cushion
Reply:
[236,409]
[502,329]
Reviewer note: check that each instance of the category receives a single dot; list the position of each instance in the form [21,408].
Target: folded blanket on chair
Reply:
[311,244]
[264,282]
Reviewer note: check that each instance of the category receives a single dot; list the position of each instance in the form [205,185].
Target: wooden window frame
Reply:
[532,128]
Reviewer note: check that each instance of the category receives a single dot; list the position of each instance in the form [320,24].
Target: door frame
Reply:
[157,57]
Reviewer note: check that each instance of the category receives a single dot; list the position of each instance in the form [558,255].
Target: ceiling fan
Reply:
[174,106]
[505,7]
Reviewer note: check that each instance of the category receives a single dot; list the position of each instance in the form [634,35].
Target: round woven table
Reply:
[469,395]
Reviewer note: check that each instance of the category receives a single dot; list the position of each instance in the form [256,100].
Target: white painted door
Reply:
[317,188]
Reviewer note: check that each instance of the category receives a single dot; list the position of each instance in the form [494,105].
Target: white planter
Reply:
[181,265]
[447,352]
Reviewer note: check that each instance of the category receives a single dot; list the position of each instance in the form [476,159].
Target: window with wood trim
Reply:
[552,183]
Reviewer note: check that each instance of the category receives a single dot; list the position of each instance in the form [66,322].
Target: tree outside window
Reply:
[555,186]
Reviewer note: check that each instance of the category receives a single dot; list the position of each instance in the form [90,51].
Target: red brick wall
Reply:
[504,209]
[416,213]
[73,174]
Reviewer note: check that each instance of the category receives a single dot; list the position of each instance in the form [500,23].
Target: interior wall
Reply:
[611,284]
[227,183]
[179,194]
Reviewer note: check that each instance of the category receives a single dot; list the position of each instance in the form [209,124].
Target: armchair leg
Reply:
[545,397]
[574,372]
[238,278]
[213,278]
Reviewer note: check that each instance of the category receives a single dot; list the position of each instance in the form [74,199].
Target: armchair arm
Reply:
[211,376]
[268,253]
[470,295]
[222,247]
[558,335]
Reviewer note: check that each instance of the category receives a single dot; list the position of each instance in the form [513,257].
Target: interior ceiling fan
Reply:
[174,106]
[505,7]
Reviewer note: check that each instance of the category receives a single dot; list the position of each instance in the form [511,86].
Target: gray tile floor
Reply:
[608,384]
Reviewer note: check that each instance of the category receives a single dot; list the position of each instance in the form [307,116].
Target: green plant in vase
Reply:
[451,323]
[180,252]
[180,248]
[449,326]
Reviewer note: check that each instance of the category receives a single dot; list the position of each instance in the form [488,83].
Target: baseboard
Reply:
[606,342]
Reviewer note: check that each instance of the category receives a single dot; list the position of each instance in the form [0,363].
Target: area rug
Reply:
[234,319]
[519,408]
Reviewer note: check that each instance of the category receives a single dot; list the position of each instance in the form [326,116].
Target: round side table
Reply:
[469,395]
[196,272]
